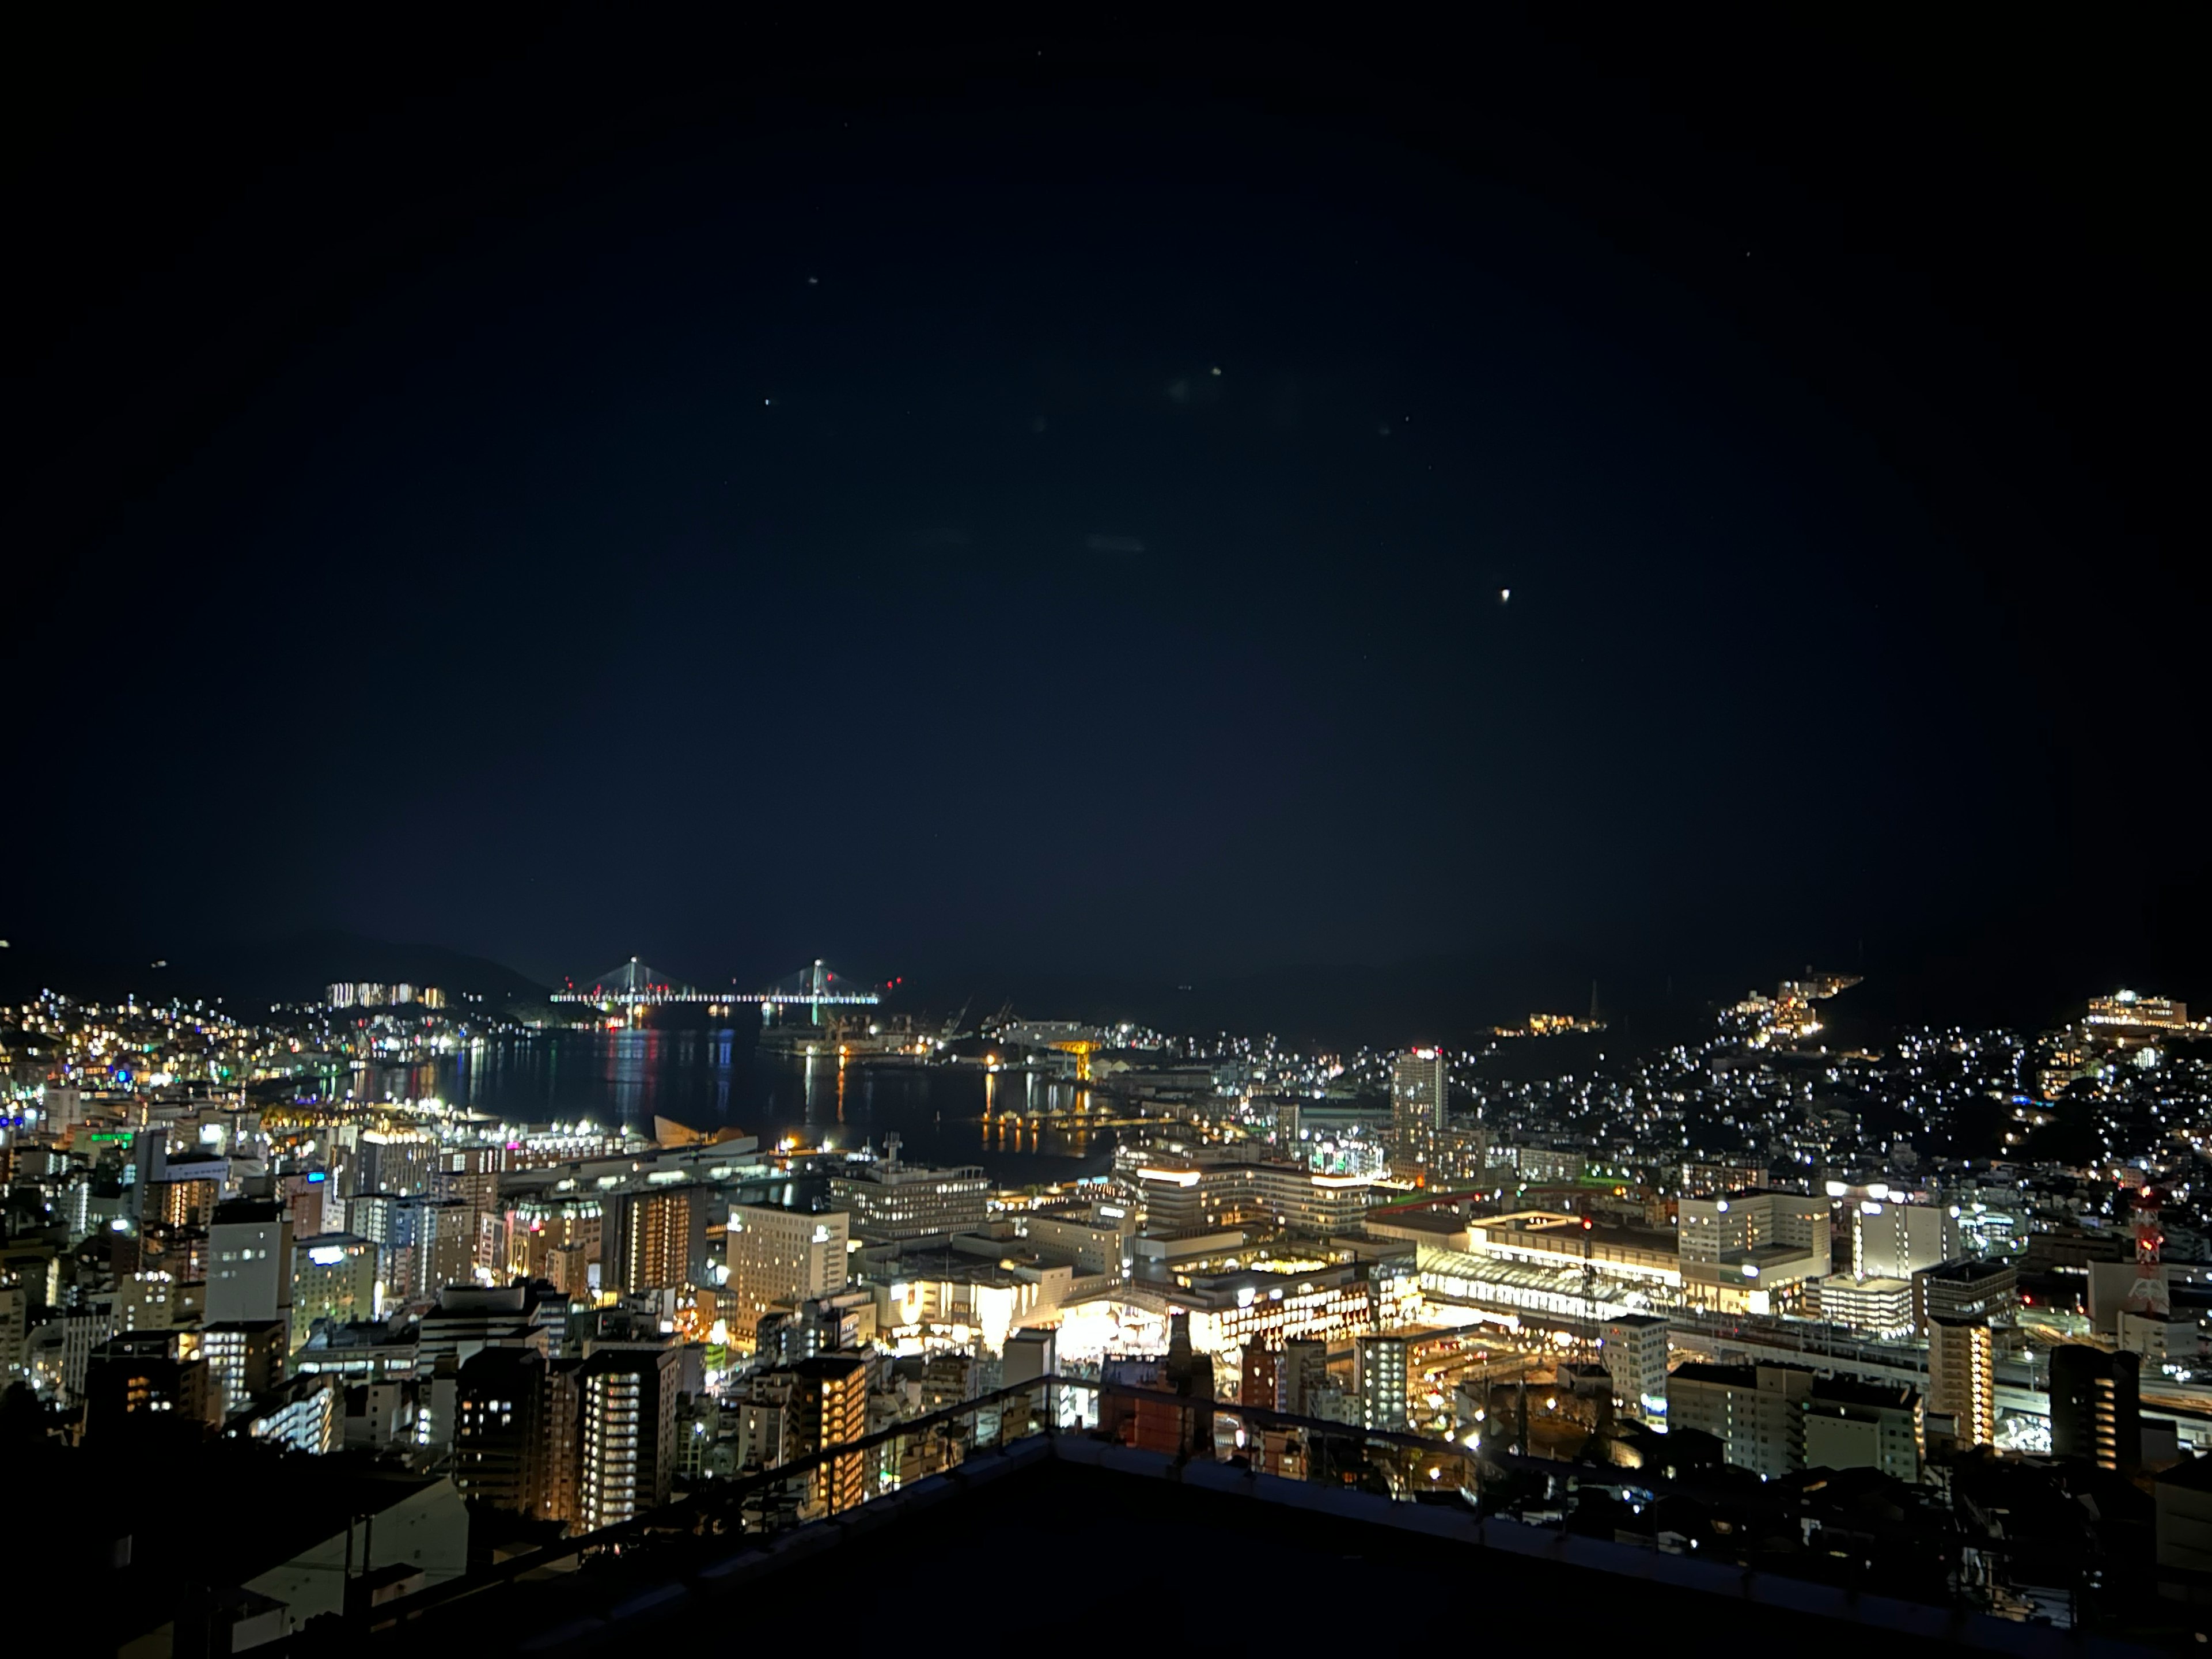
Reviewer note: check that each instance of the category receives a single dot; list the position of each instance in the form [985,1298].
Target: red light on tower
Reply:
[2150,1236]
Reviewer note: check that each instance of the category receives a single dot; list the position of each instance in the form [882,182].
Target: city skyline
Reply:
[798,800]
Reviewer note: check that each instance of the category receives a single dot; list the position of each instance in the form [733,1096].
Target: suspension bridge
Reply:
[635,985]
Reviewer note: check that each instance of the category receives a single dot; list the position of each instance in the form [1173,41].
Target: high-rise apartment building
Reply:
[1420,1111]
[627,1460]
[1850,1425]
[1634,1348]
[780,1257]
[2096,1406]
[1419,1092]
[830,1408]
[245,1358]
[502,1452]
[1382,1363]
[1756,1411]
[654,1239]
[1962,1378]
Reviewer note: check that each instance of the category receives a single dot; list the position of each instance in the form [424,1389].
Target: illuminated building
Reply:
[147,1301]
[1962,1378]
[333,1277]
[1756,1411]
[654,1239]
[245,1358]
[139,1385]
[1227,1311]
[830,1408]
[1634,1347]
[628,1406]
[469,1318]
[889,1199]
[1549,1239]
[501,1451]
[1963,1383]
[1851,1424]
[2124,1014]
[1186,1195]
[181,1203]
[307,1414]
[539,1227]
[400,1161]
[250,1264]
[1739,1251]
[1419,1110]
[1896,1241]
[1419,1096]
[1965,1290]
[2094,1405]
[1874,1307]
[1709,1180]
[780,1257]
[1380,1363]
[441,1237]
[1099,1246]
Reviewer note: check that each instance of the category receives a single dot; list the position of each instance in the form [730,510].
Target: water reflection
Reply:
[1022,1126]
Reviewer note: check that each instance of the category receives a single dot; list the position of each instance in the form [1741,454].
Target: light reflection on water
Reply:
[1020,1127]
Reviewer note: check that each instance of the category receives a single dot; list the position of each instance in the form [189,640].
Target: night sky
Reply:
[556,489]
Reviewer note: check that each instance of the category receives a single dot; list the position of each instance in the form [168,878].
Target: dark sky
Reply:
[558,489]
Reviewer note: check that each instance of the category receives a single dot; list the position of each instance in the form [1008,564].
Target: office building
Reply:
[1962,1378]
[1896,1241]
[442,1237]
[249,1264]
[403,1162]
[1964,1290]
[2094,1405]
[628,1405]
[245,1359]
[780,1257]
[1879,1307]
[1751,1246]
[333,1278]
[470,1318]
[890,1200]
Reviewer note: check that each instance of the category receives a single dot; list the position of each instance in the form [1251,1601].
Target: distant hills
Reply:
[2033,966]
[295,969]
